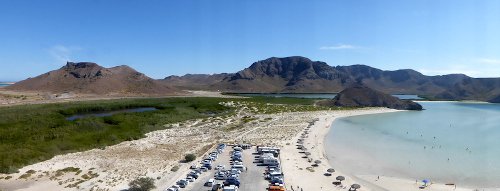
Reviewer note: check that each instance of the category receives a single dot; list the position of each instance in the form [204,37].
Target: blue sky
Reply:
[175,37]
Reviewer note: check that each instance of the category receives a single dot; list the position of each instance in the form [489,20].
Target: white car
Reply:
[173,188]
[220,176]
[210,183]
[238,163]
[190,179]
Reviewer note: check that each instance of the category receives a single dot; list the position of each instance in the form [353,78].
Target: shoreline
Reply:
[118,164]
[383,183]
[295,166]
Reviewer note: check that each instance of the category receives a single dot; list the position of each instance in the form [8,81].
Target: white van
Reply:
[239,167]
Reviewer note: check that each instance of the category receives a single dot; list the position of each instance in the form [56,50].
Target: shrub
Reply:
[175,169]
[190,157]
[142,184]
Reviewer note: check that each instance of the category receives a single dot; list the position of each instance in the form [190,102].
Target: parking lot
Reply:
[251,179]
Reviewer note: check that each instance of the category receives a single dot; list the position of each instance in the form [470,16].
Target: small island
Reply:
[359,95]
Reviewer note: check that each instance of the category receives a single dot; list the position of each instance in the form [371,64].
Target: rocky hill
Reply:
[362,96]
[300,75]
[90,78]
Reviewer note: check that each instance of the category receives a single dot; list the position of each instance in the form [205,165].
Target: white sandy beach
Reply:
[296,174]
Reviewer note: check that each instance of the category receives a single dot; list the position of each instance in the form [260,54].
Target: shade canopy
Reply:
[340,178]
[356,186]
[330,170]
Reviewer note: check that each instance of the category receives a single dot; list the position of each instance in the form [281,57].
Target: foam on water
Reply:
[449,142]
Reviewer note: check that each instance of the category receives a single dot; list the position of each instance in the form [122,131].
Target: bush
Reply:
[190,157]
[175,169]
[142,184]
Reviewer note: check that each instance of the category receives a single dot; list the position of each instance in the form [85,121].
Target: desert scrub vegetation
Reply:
[33,133]
[189,157]
[175,168]
[142,184]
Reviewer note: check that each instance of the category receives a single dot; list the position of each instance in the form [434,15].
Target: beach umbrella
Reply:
[340,178]
[426,181]
[355,186]
[317,161]
[307,153]
[330,170]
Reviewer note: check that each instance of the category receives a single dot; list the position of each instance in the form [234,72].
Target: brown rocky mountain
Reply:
[361,96]
[301,75]
[90,78]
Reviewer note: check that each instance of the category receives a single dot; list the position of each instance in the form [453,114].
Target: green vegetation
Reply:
[69,169]
[175,168]
[33,133]
[142,184]
[189,157]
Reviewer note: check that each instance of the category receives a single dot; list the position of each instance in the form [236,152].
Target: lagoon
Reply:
[109,113]
[449,142]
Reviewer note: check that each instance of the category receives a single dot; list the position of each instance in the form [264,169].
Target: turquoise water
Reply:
[449,142]
[3,85]
[318,95]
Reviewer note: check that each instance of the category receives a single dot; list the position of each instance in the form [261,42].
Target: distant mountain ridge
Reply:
[90,78]
[301,75]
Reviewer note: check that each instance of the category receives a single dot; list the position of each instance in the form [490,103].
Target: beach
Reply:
[157,154]
[297,176]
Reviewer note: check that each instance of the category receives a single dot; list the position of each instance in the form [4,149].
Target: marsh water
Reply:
[449,142]
[109,113]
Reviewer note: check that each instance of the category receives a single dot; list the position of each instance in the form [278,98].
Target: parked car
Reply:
[220,176]
[232,181]
[210,182]
[230,188]
[194,175]
[208,166]
[173,188]
[182,183]
[239,167]
[218,167]
[190,179]
[217,187]
[204,169]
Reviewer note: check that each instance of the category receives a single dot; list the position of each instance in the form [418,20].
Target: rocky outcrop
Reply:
[361,96]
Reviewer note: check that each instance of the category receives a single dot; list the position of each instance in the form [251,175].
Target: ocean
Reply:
[449,142]
[3,84]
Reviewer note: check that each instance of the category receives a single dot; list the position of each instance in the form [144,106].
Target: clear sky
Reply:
[175,37]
